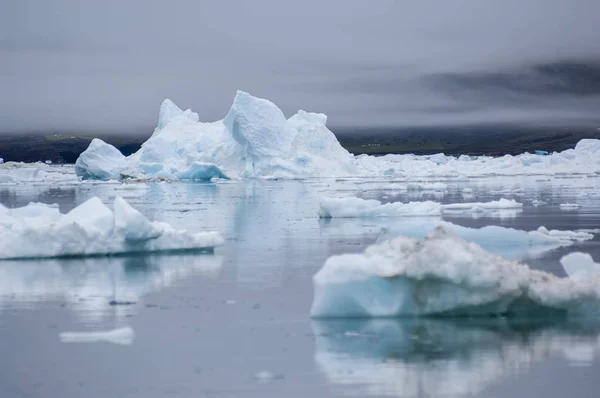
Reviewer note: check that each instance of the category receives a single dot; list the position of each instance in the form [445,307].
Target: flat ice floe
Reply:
[357,207]
[91,229]
[122,336]
[443,275]
[256,140]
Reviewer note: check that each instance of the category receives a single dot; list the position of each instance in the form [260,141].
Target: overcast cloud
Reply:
[105,66]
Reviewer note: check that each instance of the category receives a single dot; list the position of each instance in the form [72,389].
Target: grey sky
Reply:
[105,66]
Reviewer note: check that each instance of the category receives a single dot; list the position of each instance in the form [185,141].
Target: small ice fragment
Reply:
[123,336]
[569,206]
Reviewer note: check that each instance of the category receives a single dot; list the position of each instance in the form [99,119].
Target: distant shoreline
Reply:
[65,148]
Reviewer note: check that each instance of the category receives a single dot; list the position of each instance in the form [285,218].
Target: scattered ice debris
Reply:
[542,153]
[91,229]
[255,140]
[123,336]
[12,173]
[442,275]
[580,266]
[357,207]
[569,206]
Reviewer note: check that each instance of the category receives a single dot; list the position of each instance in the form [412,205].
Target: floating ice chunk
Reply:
[441,275]
[357,207]
[1,160]
[564,235]
[91,229]
[123,336]
[482,207]
[100,161]
[580,266]
[569,206]
[536,203]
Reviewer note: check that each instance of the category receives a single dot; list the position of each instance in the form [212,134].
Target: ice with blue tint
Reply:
[91,229]
[255,139]
[443,274]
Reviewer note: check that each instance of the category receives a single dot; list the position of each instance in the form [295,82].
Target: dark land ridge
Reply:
[491,141]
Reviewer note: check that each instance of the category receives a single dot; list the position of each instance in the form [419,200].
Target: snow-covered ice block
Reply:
[91,229]
[123,336]
[442,275]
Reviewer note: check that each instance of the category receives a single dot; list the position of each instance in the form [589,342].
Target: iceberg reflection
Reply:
[449,357]
[89,286]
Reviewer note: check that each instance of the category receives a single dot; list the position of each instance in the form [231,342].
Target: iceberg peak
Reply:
[169,112]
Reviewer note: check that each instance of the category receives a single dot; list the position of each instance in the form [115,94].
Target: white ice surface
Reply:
[38,231]
[256,140]
[442,275]
[122,336]
[580,266]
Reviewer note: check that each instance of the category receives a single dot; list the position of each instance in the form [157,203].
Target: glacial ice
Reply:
[122,336]
[91,229]
[101,161]
[357,207]
[255,140]
[442,275]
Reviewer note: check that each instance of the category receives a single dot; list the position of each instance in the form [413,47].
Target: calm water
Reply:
[236,323]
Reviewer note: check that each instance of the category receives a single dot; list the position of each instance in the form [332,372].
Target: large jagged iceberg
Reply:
[253,140]
[443,275]
[91,229]
[256,140]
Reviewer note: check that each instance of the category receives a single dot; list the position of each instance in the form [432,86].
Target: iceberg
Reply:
[253,140]
[91,229]
[101,161]
[122,336]
[443,275]
[357,207]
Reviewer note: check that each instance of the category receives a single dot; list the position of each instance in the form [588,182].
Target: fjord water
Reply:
[236,323]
